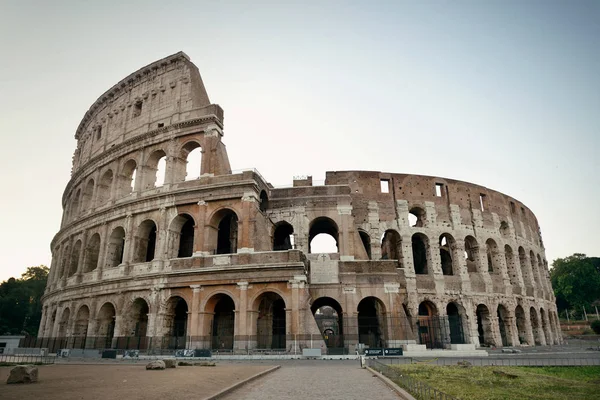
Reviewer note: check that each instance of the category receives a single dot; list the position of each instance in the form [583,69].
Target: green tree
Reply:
[20,301]
[576,282]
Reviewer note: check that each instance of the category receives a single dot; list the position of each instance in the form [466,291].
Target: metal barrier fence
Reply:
[533,361]
[420,390]
[26,359]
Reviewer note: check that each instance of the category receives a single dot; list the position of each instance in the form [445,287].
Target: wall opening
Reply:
[323,236]
[455,324]
[105,187]
[420,243]
[74,258]
[80,328]
[472,254]
[416,217]
[186,237]
[270,323]
[223,326]
[128,178]
[88,194]
[371,322]
[328,315]
[428,326]
[484,326]
[116,245]
[366,242]
[137,109]
[145,241]
[447,244]
[482,202]
[521,325]
[192,154]
[384,185]
[492,256]
[503,318]
[283,237]
[439,189]
[264,201]
[391,245]
[227,233]
[92,253]
[106,325]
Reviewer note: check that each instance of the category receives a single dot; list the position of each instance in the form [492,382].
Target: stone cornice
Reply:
[128,81]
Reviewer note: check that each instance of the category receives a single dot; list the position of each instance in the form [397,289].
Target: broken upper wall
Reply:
[162,93]
[477,205]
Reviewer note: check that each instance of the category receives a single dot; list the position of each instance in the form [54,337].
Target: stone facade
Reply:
[223,260]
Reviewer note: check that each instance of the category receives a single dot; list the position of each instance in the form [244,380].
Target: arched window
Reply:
[223,324]
[328,316]
[523,265]
[447,246]
[420,245]
[181,236]
[283,237]
[511,266]
[104,188]
[484,325]
[92,253]
[371,322]
[192,154]
[323,236]
[145,241]
[227,237]
[504,229]
[116,245]
[416,217]
[391,245]
[264,201]
[88,194]
[472,254]
[366,242]
[75,205]
[155,170]
[105,328]
[270,323]
[75,258]
[492,256]
[128,178]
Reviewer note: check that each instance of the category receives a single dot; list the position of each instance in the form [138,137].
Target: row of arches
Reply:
[154,171]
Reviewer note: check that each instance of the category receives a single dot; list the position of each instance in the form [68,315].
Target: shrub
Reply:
[595,325]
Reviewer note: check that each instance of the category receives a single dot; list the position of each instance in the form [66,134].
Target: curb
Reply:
[399,391]
[236,385]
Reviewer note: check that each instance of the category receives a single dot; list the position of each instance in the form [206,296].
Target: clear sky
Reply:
[501,93]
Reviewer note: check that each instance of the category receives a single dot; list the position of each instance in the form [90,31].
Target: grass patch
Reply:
[481,383]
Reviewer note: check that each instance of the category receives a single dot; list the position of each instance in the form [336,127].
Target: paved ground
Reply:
[304,379]
[127,382]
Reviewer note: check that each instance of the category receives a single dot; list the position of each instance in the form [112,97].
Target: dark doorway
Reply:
[223,324]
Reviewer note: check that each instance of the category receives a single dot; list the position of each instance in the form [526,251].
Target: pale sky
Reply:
[500,93]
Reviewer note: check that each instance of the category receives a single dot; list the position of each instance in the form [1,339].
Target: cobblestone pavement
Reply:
[331,380]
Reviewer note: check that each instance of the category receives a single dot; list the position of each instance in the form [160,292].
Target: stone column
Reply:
[194,320]
[199,230]
[246,223]
[129,246]
[81,258]
[242,336]
[104,243]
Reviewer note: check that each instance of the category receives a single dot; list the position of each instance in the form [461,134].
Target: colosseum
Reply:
[157,251]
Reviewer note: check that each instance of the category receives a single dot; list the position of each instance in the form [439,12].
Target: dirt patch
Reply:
[131,382]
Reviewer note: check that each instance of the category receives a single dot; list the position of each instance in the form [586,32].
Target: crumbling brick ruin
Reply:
[212,259]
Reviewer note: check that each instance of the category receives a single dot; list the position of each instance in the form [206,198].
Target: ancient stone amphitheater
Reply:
[156,254]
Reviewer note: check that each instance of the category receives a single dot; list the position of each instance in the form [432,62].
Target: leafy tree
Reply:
[576,281]
[20,301]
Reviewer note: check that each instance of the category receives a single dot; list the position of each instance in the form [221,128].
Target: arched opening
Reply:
[88,194]
[75,258]
[420,244]
[503,325]
[106,324]
[323,236]
[535,327]
[63,325]
[92,253]
[521,325]
[371,322]
[524,271]
[416,217]
[223,324]
[181,237]
[227,233]
[192,154]
[155,170]
[428,326]
[492,256]
[136,326]
[80,329]
[447,246]
[329,317]
[270,322]
[455,324]
[484,326]
[75,205]
[511,266]
[283,237]
[176,318]
[472,254]
[504,229]
[104,188]
[116,245]
[264,201]
[391,245]
[128,178]
[366,242]
[145,241]
[64,263]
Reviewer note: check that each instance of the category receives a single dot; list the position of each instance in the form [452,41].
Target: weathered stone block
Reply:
[170,363]
[23,374]
[156,364]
